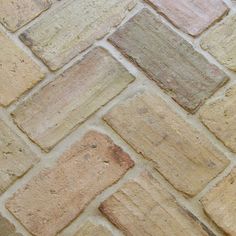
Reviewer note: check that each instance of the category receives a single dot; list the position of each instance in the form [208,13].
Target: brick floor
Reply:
[117,118]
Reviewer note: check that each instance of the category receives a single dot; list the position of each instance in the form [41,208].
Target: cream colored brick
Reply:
[16,13]
[18,72]
[220,41]
[72,28]
[182,154]
[68,101]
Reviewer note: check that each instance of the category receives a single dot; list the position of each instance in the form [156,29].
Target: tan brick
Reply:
[6,228]
[183,155]
[56,196]
[90,229]
[169,60]
[220,204]
[220,41]
[72,28]
[142,207]
[16,13]
[18,72]
[15,157]
[219,117]
[65,103]
[192,17]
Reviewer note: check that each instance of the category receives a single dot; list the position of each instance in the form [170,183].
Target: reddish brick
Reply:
[55,197]
[6,228]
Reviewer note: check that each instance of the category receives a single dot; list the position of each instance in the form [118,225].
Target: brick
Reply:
[56,196]
[192,17]
[142,207]
[16,13]
[220,204]
[90,229]
[219,117]
[18,72]
[6,228]
[169,60]
[220,41]
[183,155]
[65,103]
[15,157]
[69,30]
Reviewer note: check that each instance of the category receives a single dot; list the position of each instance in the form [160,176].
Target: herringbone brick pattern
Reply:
[117,118]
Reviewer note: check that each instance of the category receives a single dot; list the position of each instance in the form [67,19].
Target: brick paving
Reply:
[117,118]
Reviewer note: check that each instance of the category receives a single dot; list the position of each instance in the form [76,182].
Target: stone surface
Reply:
[183,155]
[220,41]
[220,204]
[192,17]
[56,196]
[18,72]
[16,13]
[142,207]
[90,229]
[6,228]
[220,117]
[15,157]
[65,103]
[169,60]
[72,28]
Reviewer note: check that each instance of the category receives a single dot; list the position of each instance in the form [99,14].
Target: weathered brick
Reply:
[219,117]
[65,103]
[16,13]
[69,30]
[18,72]
[183,155]
[220,204]
[90,229]
[220,41]
[142,207]
[169,60]
[6,228]
[56,196]
[192,17]
[15,157]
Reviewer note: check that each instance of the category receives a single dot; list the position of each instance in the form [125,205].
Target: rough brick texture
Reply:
[18,72]
[15,157]
[142,207]
[220,41]
[16,13]
[220,204]
[169,60]
[56,196]
[90,229]
[67,31]
[182,154]
[219,117]
[65,103]
[192,17]
[6,228]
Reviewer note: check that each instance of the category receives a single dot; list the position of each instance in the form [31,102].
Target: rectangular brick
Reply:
[220,204]
[56,196]
[6,228]
[183,155]
[192,17]
[72,28]
[15,157]
[169,60]
[219,117]
[16,13]
[142,207]
[62,105]
[90,229]
[220,41]
[18,72]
